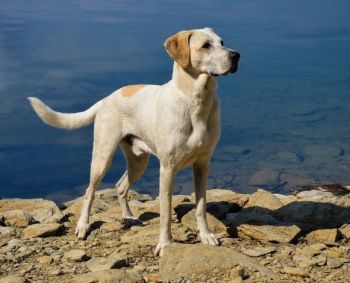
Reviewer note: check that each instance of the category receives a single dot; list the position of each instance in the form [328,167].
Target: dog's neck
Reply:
[197,85]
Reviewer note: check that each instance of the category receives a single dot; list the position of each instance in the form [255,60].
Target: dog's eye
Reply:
[206,45]
[222,43]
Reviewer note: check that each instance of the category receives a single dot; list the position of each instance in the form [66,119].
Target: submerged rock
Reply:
[264,178]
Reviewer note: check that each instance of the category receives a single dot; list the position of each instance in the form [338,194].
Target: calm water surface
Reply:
[286,111]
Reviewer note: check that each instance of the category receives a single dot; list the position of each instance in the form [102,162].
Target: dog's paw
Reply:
[81,230]
[131,221]
[160,247]
[209,238]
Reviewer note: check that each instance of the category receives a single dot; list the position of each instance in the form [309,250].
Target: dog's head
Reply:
[202,51]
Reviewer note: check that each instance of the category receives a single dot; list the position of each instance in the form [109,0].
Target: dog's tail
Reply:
[64,120]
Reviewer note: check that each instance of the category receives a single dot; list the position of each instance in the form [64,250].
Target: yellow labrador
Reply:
[179,122]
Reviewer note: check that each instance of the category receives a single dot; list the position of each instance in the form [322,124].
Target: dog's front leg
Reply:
[200,172]
[166,185]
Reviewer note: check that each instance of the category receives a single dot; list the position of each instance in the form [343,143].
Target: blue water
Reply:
[287,108]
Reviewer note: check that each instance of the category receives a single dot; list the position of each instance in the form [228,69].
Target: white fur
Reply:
[179,122]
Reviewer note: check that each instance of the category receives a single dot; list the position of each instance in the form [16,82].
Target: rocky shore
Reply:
[265,237]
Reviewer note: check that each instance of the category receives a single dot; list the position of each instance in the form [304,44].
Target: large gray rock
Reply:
[180,261]
[109,276]
[43,211]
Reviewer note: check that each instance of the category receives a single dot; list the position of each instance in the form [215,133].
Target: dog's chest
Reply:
[198,133]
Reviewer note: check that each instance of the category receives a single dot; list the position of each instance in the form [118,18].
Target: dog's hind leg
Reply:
[106,139]
[136,166]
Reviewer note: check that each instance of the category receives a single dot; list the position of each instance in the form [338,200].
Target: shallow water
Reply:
[286,111]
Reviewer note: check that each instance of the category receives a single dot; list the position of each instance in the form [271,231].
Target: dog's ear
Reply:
[178,47]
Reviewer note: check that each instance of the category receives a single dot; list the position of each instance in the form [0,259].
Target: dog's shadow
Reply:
[307,215]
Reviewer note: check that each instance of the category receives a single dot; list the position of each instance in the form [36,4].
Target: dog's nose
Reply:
[235,56]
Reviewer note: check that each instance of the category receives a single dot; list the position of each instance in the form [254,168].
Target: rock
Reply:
[309,215]
[334,253]
[259,251]
[288,156]
[43,211]
[41,230]
[297,271]
[104,200]
[114,226]
[221,195]
[133,195]
[334,263]
[313,194]
[269,233]
[325,152]
[310,251]
[286,199]
[264,178]
[17,218]
[102,263]
[260,226]
[181,261]
[263,199]
[344,230]
[216,226]
[13,279]
[4,231]
[76,256]
[109,276]
[45,259]
[321,236]
[306,262]
[146,235]
[292,180]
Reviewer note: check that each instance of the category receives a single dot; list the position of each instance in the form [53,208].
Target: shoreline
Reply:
[302,237]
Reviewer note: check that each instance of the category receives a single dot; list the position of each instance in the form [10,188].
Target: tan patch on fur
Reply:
[130,90]
[178,48]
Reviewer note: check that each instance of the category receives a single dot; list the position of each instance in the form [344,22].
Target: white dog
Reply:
[179,122]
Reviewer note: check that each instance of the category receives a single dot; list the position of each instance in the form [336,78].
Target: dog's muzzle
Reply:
[234,61]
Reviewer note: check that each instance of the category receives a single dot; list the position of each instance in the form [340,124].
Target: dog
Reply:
[179,122]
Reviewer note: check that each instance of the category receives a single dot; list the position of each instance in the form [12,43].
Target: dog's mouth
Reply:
[232,70]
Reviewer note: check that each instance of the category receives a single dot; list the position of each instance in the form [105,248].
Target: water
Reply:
[286,110]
